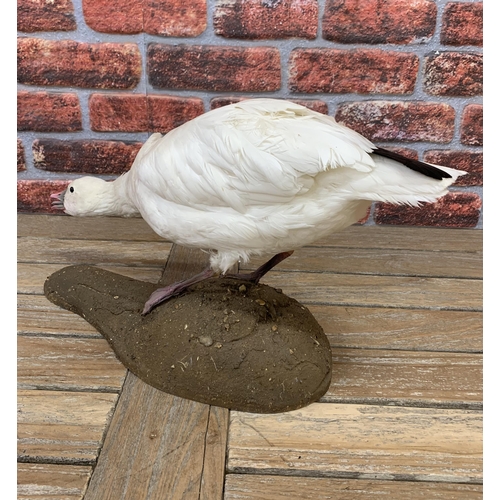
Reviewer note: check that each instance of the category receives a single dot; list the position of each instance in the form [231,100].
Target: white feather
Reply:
[259,176]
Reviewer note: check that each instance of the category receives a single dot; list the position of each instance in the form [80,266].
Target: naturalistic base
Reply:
[225,342]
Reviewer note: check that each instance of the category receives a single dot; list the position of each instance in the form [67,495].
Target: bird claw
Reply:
[161,295]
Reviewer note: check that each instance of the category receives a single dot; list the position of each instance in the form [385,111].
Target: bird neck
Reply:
[120,203]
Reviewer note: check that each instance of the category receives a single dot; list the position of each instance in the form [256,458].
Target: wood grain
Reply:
[381,262]
[136,229]
[96,252]
[31,277]
[380,291]
[36,315]
[406,378]
[151,435]
[214,460]
[52,481]
[68,364]
[406,238]
[407,329]
[155,447]
[365,441]
[80,228]
[62,426]
[264,487]
[346,326]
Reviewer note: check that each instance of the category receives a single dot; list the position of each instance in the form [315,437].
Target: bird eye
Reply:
[71,189]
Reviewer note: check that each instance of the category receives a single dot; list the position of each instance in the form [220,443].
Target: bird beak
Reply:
[58,200]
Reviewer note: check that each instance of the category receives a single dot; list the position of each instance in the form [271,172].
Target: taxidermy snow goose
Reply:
[259,176]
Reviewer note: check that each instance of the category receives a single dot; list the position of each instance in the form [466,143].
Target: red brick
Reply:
[373,21]
[117,16]
[165,18]
[462,24]
[85,156]
[266,19]
[141,113]
[213,68]
[34,195]
[21,162]
[125,113]
[43,15]
[48,112]
[345,71]
[471,128]
[470,161]
[399,121]
[78,64]
[175,17]
[315,105]
[452,210]
[454,74]
[219,102]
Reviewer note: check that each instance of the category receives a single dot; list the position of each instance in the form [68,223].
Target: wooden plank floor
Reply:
[402,308]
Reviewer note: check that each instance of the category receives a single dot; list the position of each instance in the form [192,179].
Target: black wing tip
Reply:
[416,165]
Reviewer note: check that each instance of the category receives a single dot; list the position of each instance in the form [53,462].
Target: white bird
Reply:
[259,176]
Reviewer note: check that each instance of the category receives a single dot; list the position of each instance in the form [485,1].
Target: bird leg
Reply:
[256,275]
[162,294]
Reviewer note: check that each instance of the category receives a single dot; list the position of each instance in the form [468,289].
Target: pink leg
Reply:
[256,275]
[162,294]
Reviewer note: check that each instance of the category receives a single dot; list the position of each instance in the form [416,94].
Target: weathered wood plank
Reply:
[51,481]
[214,460]
[270,487]
[31,277]
[381,261]
[68,364]
[368,376]
[177,449]
[380,328]
[364,441]
[153,448]
[93,228]
[379,291]
[406,238]
[407,329]
[406,378]
[62,426]
[36,315]
[136,229]
[368,327]
[124,253]
[158,445]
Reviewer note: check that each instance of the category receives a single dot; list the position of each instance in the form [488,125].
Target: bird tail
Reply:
[426,169]
[397,179]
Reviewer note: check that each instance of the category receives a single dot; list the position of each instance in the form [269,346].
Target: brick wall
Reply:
[96,77]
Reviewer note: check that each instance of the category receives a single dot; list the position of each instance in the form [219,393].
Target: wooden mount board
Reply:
[160,445]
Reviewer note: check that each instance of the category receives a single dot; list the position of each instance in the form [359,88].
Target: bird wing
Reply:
[256,152]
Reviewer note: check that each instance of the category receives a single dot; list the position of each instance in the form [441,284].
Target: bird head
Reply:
[83,197]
